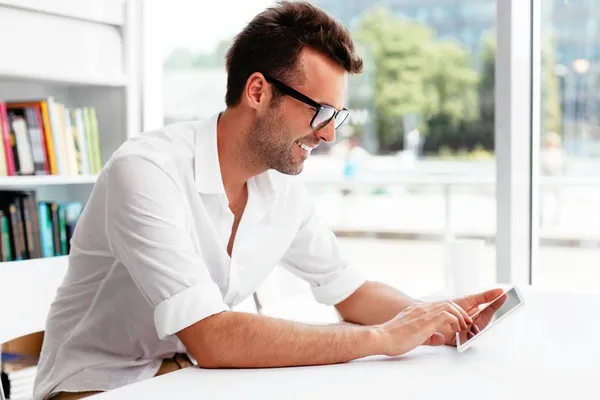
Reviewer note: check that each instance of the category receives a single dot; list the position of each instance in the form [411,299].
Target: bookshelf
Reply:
[82,54]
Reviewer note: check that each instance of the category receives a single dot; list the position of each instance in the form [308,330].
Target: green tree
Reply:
[454,94]
[400,52]
[415,74]
[551,118]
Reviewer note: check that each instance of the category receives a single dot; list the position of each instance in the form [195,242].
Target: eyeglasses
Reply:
[324,113]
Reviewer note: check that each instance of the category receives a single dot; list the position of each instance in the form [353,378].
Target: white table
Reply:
[549,349]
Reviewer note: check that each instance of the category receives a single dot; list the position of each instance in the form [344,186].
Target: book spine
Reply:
[13,147]
[46,231]
[35,141]
[22,143]
[31,202]
[39,121]
[55,228]
[29,244]
[97,155]
[49,138]
[70,142]
[76,140]
[81,136]
[21,230]
[57,136]
[6,138]
[3,166]
[62,220]
[14,230]
[2,244]
[7,254]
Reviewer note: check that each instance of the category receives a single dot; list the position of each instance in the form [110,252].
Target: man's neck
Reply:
[235,159]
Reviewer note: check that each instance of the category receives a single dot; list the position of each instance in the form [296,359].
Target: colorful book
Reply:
[70,141]
[48,137]
[82,141]
[96,142]
[3,167]
[62,222]
[6,245]
[37,122]
[55,228]
[22,150]
[7,140]
[46,230]
[36,140]
[57,136]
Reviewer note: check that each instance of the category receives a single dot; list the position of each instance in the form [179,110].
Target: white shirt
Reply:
[148,258]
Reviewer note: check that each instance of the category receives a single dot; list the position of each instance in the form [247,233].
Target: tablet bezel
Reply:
[464,346]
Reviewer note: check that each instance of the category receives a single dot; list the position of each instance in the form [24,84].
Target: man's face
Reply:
[283,137]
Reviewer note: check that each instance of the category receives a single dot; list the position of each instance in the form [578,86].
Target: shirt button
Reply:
[154,364]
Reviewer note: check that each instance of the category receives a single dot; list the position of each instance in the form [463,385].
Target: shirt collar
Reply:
[207,171]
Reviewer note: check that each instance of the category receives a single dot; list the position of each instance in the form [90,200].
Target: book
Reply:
[48,137]
[55,228]
[70,141]
[35,138]
[57,136]
[3,166]
[7,140]
[62,229]
[41,122]
[46,230]
[5,244]
[26,205]
[15,233]
[82,141]
[30,204]
[21,144]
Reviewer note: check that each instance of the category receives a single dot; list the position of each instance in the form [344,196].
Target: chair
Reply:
[27,289]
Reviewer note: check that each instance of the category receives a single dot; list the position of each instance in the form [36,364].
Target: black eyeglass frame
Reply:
[308,101]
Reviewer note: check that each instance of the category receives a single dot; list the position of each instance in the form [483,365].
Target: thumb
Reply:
[437,339]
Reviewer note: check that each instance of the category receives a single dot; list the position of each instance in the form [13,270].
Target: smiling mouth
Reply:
[305,147]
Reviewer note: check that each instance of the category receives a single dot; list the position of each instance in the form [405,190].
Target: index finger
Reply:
[483,297]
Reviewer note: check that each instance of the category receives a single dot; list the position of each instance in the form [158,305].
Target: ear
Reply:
[257,92]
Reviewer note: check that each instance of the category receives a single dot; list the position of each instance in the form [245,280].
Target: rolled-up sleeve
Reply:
[146,221]
[315,256]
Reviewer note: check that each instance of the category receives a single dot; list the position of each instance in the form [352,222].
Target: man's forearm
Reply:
[373,303]
[241,340]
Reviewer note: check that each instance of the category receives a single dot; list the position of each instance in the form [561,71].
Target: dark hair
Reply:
[271,44]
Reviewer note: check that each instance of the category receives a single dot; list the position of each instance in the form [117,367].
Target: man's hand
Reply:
[420,324]
[471,305]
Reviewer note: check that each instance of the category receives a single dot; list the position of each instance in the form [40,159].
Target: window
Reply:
[569,159]
[423,111]
[422,115]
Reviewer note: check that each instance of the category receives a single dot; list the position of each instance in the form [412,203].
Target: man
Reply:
[186,221]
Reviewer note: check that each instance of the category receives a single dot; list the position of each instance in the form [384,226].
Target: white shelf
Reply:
[54,77]
[100,11]
[59,49]
[7,182]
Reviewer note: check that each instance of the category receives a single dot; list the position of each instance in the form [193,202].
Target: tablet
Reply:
[509,302]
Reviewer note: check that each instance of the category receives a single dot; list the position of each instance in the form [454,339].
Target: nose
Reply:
[327,133]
